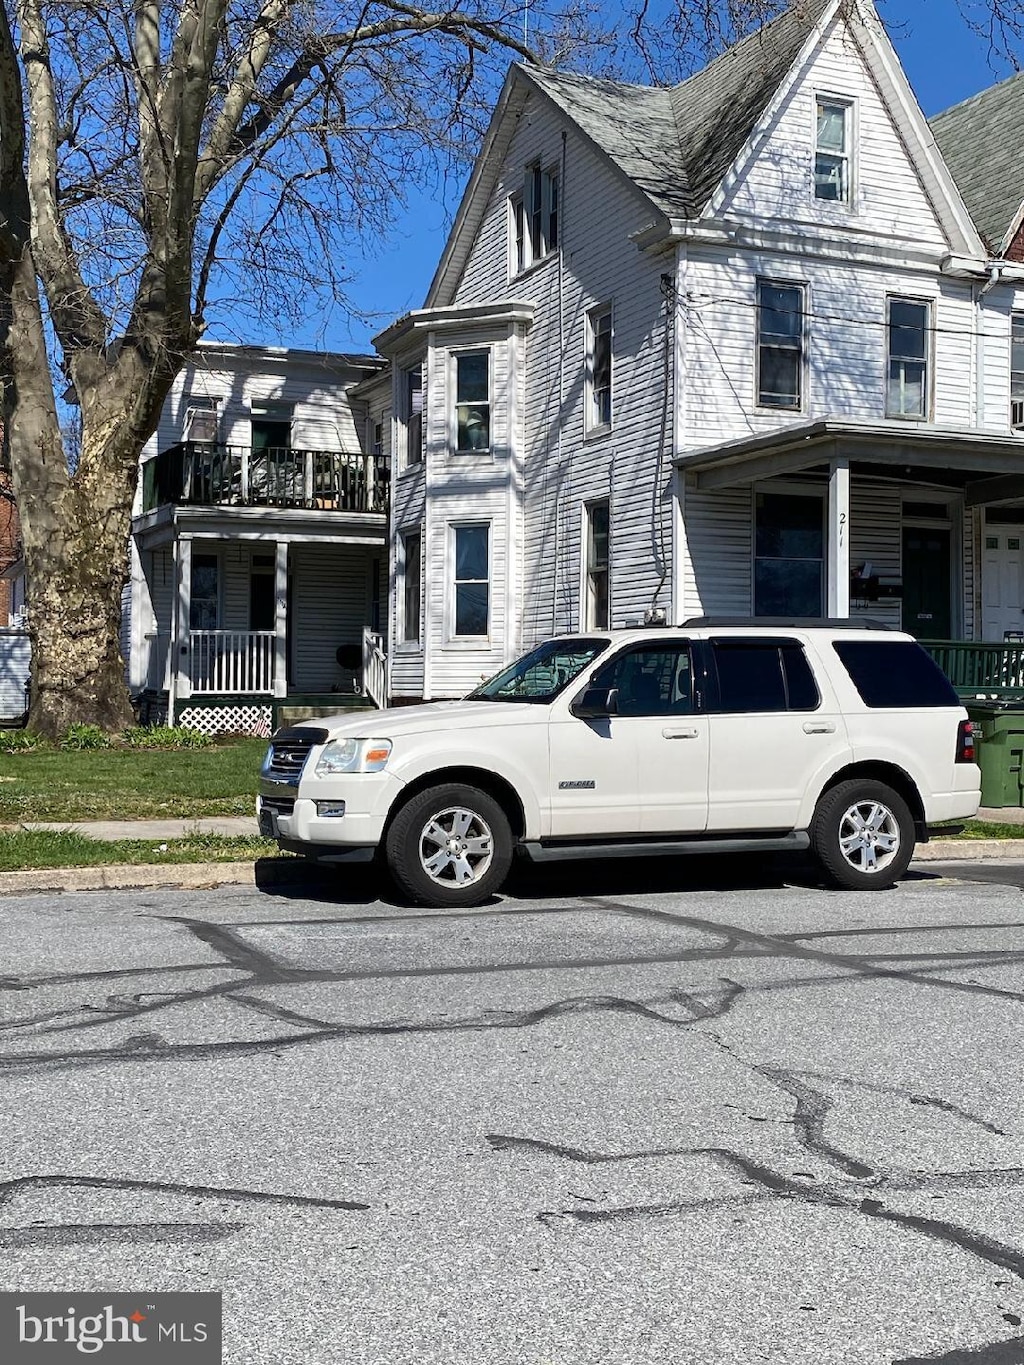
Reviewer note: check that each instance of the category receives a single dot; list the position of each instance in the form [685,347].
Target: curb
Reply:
[269,873]
[969,850]
[266,874]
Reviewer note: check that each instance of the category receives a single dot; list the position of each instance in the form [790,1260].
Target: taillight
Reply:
[965,742]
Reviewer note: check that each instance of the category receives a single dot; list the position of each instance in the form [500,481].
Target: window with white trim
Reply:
[534,218]
[411,585]
[833,119]
[1017,371]
[470,585]
[412,400]
[780,345]
[599,368]
[907,328]
[472,402]
[597,564]
[204,594]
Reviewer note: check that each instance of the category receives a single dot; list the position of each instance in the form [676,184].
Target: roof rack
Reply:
[792,623]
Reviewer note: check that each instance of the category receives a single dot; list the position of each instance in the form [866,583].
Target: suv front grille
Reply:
[289,750]
[286,761]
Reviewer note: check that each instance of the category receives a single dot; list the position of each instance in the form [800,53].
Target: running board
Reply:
[782,843]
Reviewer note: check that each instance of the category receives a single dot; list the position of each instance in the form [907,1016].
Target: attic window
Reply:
[832,151]
[534,218]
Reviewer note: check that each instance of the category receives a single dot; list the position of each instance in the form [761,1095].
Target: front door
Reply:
[1002,582]
[927,601]
[643,770]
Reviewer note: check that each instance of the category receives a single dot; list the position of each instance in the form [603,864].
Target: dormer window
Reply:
[534,215]
[832,150]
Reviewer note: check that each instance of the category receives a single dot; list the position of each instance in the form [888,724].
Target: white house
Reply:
[738,347]
[259,559]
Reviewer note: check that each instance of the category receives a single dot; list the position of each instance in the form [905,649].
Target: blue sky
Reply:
[944,60]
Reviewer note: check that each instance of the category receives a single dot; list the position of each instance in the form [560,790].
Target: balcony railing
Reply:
[201,475]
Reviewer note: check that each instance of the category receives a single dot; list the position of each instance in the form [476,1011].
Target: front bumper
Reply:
[293,818]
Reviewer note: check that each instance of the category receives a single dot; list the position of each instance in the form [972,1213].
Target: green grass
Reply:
[26,849]
[130,784]
[987,829]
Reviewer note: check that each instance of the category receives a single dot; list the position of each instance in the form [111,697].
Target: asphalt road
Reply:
[682,1113]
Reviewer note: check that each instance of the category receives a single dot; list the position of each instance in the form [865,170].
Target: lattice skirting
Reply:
[227,720]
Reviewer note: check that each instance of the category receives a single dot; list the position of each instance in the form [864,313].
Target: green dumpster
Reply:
[999,744]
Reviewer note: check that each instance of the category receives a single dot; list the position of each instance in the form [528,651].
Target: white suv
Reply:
[717,735]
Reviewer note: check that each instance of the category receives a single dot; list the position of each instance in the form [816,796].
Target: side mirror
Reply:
[596,702]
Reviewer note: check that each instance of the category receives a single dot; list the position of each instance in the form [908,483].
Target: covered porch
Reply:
[918,527]
[238,623]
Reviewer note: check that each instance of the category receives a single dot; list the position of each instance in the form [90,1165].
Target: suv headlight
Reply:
[353,756]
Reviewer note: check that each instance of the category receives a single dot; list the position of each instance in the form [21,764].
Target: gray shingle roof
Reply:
[677,144]
[982,142]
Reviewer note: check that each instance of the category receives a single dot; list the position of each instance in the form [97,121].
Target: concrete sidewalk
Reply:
[234,826]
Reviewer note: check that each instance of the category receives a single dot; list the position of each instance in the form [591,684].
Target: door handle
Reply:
[819,727]
[671,733]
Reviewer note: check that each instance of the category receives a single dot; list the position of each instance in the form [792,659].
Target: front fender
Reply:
[446,752]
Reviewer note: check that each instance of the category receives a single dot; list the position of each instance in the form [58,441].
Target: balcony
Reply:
[197,474]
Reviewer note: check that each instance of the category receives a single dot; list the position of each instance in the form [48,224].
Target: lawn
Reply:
[25,849]
[130,784]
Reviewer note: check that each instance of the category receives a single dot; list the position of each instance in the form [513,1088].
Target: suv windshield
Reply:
[540,675]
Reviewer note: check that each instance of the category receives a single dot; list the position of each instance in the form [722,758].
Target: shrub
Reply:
[165,737]
[20,741]
[85,737]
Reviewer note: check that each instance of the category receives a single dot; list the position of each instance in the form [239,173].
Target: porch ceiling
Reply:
[884,443]
[298,525]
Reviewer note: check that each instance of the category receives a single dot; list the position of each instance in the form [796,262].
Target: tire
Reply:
[449,846]
[862,835]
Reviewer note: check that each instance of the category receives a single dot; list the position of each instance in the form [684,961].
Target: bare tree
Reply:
[156,160]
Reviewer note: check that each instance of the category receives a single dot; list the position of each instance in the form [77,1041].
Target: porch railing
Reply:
[981,668]
[194,473]
[235,661]
[375,667]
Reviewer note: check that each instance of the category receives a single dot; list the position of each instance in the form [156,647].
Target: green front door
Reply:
[927,604]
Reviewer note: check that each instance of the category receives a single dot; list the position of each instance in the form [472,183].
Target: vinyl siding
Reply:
[563,466]
[845,343]
[777,179]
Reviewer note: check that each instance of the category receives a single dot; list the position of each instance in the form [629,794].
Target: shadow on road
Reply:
[368,884]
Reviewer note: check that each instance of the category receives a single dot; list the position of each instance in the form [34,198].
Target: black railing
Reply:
[200,475]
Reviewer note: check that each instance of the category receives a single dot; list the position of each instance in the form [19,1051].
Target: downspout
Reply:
[561,388]
[995,271]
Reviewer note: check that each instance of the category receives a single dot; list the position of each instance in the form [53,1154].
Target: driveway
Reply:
[635,1113]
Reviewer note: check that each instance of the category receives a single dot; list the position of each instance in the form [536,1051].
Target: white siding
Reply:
[563,467]
[15,656]
[777,182]
[845,343]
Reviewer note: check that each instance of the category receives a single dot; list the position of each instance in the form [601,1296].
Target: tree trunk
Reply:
[74,614]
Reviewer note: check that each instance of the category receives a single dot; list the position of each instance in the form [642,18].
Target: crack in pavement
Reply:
[56,1235]
[9,1189]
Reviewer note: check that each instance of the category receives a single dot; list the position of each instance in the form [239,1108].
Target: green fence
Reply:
[981,669]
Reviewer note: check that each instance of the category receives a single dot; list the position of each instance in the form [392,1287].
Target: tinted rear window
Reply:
[763,675]
[895,673]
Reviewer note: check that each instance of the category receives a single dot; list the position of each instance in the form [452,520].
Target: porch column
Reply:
[838,552]
[281,620]
[181,663]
